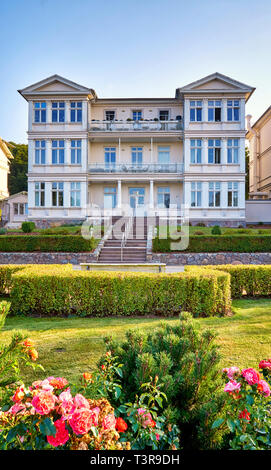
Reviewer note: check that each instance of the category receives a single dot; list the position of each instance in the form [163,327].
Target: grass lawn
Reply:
[68,347]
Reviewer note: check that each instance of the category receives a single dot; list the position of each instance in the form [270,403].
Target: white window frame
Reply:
[214,104]
[39,190]
[58,108]
[233,104]
[57,188]
[38,111]
[76,151]
[196,105]
[40,152]
[233,149]
[163,149]
[163,191]
[233,194]
[214,189]
[57,149]
[138,151]
[195,151]
[137,111]
[110,111]
[215,145]
[75,194]
[164,111]
[196,194]
[77,109]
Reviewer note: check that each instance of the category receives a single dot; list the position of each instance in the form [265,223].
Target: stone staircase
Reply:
[134,247]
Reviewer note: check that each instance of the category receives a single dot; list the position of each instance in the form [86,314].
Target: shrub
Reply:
[251,280]
[248,417]
[185,361]
[213,243]
[216,230]
[3,230]
[46,243]
[200,224]
[198,232]
[54,291]
[28,227]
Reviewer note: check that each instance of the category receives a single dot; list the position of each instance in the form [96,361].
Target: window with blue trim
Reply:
[40,146]
[76,111]
[195,150]
[40,112]
[58,111]
[58,152]
[195,111]
[76,152]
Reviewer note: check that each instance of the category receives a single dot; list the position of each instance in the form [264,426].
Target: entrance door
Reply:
[137,201]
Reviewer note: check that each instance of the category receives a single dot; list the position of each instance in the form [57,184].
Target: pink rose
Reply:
[17,408]
[45,385]
[109,422]
[81,402]
[82,420]
[232,371]
[263,388]
[265,364]
[66,403]
[251,376]
[44,402]
[232,386]
[61,436]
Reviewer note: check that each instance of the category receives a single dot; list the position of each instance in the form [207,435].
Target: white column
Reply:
[186,193]
[205,195]
[49,111]
[48,153]
[151,194]
[241,195]
[31,194]
[204,151]
[67,187]
[204,110]
[31,154]
[48,194]
[67,152]
[151,150]
[119,152]
[224,151]
[224,194]
[85,115]
[84,155]
[67,111]
[242,114]
[224,110]
[186,154]
[242,154]
[30,115]
[119,194]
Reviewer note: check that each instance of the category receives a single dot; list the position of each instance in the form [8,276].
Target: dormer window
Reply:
[40,112]
[195,111]
[58,111]
[110,115]
[214,110]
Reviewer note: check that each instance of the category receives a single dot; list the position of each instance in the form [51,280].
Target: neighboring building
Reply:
[146,153]
[259,136]
[15,209]
[5,157]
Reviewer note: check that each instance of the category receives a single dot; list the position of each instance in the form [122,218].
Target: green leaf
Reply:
[117,392]
[231,425]
[47,427]
[217,423]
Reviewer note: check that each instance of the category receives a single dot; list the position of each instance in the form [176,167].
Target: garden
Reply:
[113,361]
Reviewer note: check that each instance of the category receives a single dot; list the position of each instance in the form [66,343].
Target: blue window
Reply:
[58,152]
[76,111]
[40,112]
[58,194]
[214,110]
[163,155]
[195,150]
[233,150]
[233,194]
[40,152]
[58,111]
[110,198]
[195,111]
[39,194]
[163,197]
[137,115]
[214,194]
[75,194]
[76,152]
[233,110]
[196,191]
[214,151]
[110,156]
[137,155]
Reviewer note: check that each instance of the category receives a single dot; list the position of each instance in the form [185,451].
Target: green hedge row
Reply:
[250,280]
[46,243]
[216,243]
[52,291]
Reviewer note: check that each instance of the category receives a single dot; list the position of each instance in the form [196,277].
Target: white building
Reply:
[152,153]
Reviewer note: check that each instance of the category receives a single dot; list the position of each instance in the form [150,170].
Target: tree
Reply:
[17,178]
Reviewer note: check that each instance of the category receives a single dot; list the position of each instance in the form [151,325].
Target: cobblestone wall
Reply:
[209,258]
[47,258]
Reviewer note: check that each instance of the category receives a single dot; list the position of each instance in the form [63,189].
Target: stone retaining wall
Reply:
[168,258]
[47,258]
[209,258]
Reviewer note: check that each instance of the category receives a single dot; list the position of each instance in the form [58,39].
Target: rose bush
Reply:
[248,416]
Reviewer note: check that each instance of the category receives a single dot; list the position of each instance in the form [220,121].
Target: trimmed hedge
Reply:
[54,291]
[213,244]
[251,280]
[46,243]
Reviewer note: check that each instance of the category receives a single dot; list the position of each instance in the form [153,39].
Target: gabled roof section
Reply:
[5,149]
[56,85]
[215,83]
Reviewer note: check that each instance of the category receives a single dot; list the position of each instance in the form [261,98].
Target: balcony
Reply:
[139,168]
[135,126]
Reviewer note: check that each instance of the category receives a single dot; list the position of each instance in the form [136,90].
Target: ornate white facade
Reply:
[152,153]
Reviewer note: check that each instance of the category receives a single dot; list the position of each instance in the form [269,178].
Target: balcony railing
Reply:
[139,126]
[136,168]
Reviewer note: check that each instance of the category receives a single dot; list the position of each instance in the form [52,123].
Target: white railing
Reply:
[125,235]
[136,168]
[130,126]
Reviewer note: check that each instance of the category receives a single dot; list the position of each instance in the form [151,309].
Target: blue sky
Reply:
[125,48]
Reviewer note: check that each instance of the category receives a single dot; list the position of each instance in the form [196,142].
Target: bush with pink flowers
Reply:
[248,417]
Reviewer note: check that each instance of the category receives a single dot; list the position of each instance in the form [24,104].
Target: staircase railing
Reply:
[125,235]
